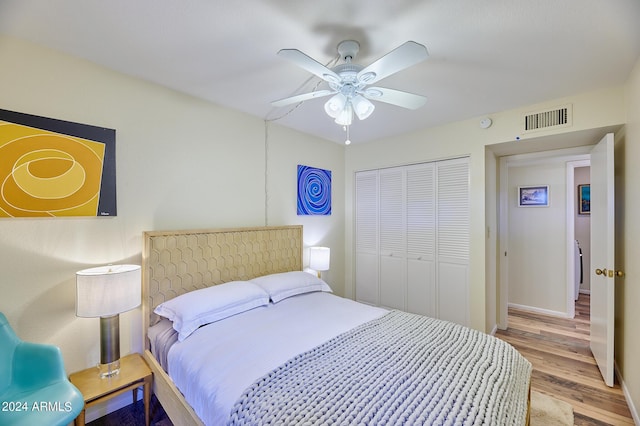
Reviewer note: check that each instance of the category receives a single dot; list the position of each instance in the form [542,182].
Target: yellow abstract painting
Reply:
[49,174]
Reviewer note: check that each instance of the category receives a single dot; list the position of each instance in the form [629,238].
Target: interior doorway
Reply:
[575,143]
[537,243]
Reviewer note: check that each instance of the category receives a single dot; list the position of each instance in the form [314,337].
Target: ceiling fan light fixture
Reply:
[334,106]
[362,107]
[345,118]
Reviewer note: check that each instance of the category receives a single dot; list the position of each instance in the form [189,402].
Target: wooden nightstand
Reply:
[134,373]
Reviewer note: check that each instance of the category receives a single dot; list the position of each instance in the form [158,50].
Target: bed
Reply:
[307,356]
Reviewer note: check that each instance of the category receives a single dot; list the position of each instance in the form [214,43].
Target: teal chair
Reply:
[34,389]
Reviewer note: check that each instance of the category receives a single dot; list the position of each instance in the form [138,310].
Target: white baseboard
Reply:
[539,310]
[627,396]
[585,291]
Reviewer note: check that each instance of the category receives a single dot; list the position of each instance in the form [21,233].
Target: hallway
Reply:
[563,366]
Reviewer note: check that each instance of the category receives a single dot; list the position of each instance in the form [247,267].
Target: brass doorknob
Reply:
[601,271]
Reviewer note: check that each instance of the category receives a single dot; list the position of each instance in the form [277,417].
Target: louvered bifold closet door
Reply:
[366,226]
[393,242]
[421,239]
[412,238]
[453,240]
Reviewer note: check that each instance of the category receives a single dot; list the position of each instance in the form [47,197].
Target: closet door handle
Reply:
[601,271]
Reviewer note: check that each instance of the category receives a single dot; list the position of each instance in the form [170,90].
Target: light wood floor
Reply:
[563,366]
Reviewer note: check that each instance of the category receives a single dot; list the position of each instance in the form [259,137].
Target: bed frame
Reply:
[176,262]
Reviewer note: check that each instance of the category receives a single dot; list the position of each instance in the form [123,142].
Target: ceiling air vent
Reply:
[559,117]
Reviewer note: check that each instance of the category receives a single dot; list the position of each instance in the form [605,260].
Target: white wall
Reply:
[181,163]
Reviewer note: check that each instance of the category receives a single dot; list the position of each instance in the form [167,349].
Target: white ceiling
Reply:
[485,55]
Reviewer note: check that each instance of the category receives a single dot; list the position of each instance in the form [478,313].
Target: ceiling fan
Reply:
[350,83]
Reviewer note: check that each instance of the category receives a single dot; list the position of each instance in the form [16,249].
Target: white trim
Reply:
[627,395]
[539,310]
[503,245]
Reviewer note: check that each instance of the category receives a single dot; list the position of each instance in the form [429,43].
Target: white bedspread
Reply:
[219,361]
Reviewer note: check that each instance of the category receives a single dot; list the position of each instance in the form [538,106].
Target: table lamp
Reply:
[319,259]
[105,292]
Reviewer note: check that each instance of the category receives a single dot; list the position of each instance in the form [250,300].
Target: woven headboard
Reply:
[176,262]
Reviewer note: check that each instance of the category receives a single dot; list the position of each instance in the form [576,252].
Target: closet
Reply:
[412,238]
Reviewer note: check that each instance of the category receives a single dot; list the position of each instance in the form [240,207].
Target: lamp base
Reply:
[109,346]
[109,370]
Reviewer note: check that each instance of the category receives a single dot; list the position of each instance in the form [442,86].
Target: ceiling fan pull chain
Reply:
[348,141]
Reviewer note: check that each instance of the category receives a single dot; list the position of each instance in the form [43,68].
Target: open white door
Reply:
[602,256]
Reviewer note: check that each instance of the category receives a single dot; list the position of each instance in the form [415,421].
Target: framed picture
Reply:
[584,199]
[314,191]
[533,196]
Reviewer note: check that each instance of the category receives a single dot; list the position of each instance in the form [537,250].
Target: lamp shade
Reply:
[107,290]
[319,258]
[362,107]
[334,106]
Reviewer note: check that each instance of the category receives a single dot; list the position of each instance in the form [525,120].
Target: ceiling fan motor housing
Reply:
[348,77]
[348,49]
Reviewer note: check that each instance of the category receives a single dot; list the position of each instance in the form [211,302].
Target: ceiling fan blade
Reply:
[303,97]
[309,64]
[395,97]
[404,56]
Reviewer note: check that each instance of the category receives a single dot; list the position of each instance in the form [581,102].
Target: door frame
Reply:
[572,201]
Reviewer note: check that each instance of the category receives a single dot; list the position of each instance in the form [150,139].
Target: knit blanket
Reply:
[400,369]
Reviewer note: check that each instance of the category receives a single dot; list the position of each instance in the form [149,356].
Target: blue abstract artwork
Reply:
[314,191]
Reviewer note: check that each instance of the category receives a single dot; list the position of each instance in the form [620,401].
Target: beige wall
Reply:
[627,335]
[287,149]
[181,163]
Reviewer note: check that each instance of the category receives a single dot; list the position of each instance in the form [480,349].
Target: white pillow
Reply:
[196,308]
[287,284]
